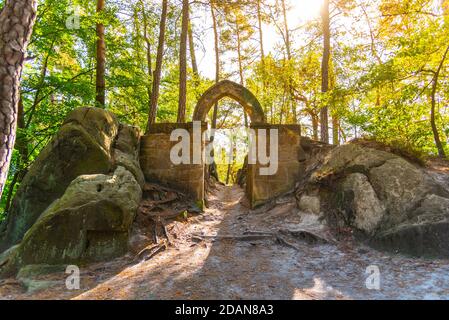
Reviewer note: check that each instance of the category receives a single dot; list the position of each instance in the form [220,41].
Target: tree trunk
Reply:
[213,167]
[262,54]
[262,50]
[148,53]
[217,62]
[289,59]
[335,117]
[287,32]
[16,23]
[335,130]
[158,70]
[324,114]
[183,63]
[192,53]
[228,174]
[239,55]
[435,131]
[101,60]
[22,142]
[315,121]
[37,94]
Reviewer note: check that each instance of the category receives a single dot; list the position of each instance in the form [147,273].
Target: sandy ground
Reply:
[221,268]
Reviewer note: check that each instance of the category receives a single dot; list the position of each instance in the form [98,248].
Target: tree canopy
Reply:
[388,75]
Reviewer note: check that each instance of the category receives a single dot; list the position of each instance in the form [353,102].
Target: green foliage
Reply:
[59,74]
[384,57]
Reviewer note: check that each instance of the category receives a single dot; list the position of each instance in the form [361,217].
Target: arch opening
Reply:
[234,91]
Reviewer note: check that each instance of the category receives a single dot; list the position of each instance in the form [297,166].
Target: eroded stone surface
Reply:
[90,222]
[366,208]
[83,145]
[127,150]
[78,201]
[261,188]
[397,205]
[157,165]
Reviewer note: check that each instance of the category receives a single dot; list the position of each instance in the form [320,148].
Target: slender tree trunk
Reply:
[158,70]
[335,130]
[287,32]
[324,114]
[213,167]
[373,51]
[148,54]
[183,63]
[239,56]
[22,142]
[192,52]
[217,62]
[315,122]
[262,50]
[228,173]
[231,163]
[435,131]
[262,53]
[16,24]
[37,95]
[242,82]
[335,116]
[101,59]
[284,98]
[196,74]
[289,60]
[259,20]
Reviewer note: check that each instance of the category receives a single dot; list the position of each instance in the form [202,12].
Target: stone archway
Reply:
[232,90]
[156,146]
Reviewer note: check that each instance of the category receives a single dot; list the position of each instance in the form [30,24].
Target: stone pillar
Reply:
[262,188]
[157,166]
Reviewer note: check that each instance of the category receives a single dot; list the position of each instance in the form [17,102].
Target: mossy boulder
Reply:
[90,222]
[83,145]
[402,187]
[424,233]
[350,158]
[392,203]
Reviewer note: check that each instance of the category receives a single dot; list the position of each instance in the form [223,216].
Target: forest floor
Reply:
[218,255]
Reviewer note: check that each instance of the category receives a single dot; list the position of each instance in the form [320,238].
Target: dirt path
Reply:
[255,269]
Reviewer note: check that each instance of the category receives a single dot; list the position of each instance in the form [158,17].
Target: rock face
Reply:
[79,199]
[90,222]
[126,151]
[391,202]
[368,211]
[83,145]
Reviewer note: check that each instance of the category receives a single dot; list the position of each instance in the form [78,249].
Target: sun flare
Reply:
[305,10]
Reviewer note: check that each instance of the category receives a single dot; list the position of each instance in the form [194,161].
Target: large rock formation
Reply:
[394,204]
[79,198]
[90,222]
[83,145]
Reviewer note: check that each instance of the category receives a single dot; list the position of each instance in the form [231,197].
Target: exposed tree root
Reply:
[230,237]
[151,251]
[280,237]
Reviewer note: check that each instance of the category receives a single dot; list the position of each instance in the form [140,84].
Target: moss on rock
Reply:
[78,148]
[90,222]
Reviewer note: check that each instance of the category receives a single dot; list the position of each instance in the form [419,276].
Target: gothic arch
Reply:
[232,90]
